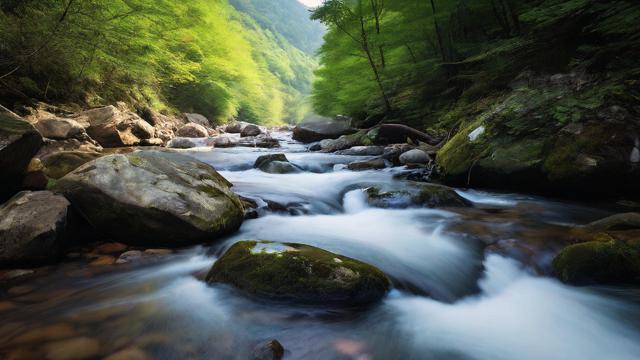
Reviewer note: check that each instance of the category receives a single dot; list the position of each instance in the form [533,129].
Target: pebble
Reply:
[20,290]
[47,333]
[110,248]
[103,260]
[12,274]
[132,353]
[6,305]
[73,349]
[129,256]
[158,252]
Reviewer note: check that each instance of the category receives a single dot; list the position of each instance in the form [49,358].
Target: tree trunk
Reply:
[501,20]
[438,32]
[512,16]
[366,48]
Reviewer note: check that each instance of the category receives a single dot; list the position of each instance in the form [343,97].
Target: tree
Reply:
[355,24]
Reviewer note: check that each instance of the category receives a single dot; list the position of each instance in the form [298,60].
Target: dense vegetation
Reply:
[427,62]
[202,56]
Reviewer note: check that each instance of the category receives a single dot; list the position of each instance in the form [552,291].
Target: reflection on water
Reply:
[467,281]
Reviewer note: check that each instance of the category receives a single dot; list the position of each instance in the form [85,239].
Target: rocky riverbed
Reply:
[244,243]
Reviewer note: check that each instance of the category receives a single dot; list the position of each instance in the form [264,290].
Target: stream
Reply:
[469,283]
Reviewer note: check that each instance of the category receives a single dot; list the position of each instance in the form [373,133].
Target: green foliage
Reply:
[198,56]
[437,62]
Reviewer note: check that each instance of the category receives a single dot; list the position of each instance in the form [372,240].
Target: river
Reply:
[469,283]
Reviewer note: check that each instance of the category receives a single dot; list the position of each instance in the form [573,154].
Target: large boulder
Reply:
[112,127]
[320,129]
[545,139]
[236,127]
[197,119]
[276,164]
[251,130]
[153,198]
[59,128]
[611,258]
[19,142]
[300,273]
[32,228]
[193,130]
[607,252]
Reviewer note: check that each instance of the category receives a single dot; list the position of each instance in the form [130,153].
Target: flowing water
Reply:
[469,283]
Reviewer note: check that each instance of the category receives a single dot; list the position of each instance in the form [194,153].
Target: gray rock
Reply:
[197,119]
[181,143]
[250,130]
[113,127]
[260,141]
[142,129]
[363,151]
[19,142]
[59,128]
[373,164]
[193,130]
[320,129]
[222,141]
[415,156]
[153,198]
[236,127]
[32,227]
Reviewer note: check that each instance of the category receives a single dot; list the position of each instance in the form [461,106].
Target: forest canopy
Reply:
[195,56]
[413,61]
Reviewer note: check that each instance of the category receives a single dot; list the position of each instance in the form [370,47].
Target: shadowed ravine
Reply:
[469,283]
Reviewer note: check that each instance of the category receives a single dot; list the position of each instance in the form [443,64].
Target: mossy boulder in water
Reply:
[276,164]
[419,195]
[608,260]
[153,198]
[301,273]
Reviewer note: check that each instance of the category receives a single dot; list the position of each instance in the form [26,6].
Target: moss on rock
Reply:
[301,273]
[608,259]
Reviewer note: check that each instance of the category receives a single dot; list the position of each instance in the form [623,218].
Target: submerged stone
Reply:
[296,272]
[422,195]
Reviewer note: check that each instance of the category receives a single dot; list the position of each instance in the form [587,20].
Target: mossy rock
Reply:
[276,164]
[299,273]
[435,195]
[525,145]
[606,260]
[420,195]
